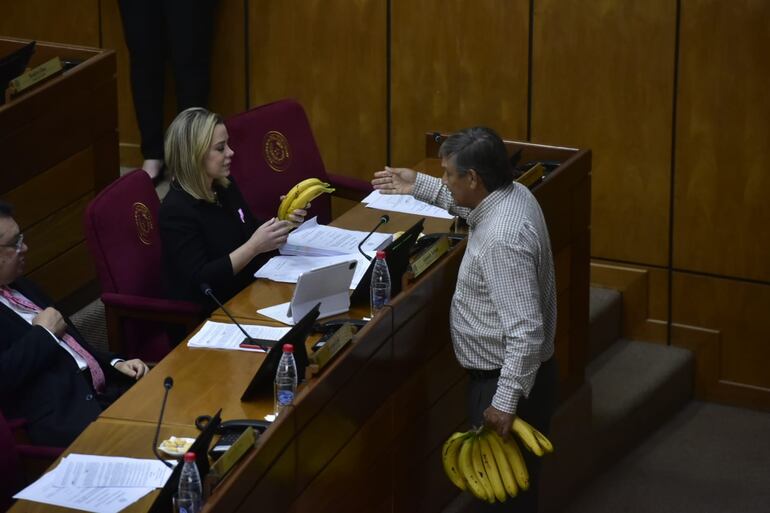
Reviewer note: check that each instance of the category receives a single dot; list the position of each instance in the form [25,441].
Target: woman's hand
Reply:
[271,235]
[135,368]
[395,180]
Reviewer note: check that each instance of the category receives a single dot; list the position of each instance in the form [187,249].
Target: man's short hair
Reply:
[6,209]
[481,149]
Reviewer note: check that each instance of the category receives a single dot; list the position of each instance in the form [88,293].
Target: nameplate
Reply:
[532,175]
[241,446]
[429,255]
[332,346]
[35,75]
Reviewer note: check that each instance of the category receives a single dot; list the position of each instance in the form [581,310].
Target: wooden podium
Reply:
[60,143]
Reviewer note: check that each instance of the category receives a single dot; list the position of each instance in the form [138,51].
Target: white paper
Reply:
[313,239]
[279,313]
[90,471]
[96,500]
[222,335]
[405,203]
[286,269]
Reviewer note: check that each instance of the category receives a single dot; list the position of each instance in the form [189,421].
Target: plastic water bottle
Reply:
[189,495]
[285,379]
[380,287]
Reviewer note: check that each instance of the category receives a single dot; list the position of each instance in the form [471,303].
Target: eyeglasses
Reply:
[16,244]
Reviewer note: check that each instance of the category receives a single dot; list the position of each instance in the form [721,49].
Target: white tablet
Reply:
[328,285]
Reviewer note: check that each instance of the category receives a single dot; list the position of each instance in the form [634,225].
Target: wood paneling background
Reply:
[671,97]
[330,56]
[721,205]
[602,79]
[456,64]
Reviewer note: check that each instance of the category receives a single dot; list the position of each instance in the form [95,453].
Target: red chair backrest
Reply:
[122,235]
[274,149]
[10,467]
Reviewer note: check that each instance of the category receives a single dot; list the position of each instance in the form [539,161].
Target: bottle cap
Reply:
[189,456]
[288,348]
[381,253]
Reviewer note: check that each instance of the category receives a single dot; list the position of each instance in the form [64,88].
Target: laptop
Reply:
[328,286]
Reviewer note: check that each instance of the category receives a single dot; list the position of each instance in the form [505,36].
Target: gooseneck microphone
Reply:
[167,384]
[206,289]
[384,218]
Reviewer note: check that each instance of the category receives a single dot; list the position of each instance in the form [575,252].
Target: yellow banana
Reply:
[283,209]
[544,442]
[449,458]
[491,468]
[527,436]
[503,465]
[465,463]
[478,468]
[307,195]
[516,460]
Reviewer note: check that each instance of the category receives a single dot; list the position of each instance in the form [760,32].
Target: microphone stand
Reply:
[167,384]
[206,289]
[383,220]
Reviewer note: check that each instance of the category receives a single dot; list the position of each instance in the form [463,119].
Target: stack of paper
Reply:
[102,484]
[404,203]
[221,335]
[286,269]
[312,239]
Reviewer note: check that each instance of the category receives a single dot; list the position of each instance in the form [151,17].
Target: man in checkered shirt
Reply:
[503,316]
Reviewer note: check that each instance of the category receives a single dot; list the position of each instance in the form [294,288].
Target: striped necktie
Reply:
[97,375]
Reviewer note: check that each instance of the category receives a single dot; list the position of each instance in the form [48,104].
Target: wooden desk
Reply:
[365,434]
[108,437]
[62,140]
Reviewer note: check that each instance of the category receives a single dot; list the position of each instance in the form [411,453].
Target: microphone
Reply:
[167,384]
[206,289]
[384,218]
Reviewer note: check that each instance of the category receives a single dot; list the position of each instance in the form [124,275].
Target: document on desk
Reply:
[102,484]
[404,203]
[313,239]
[222,335]
[286,269]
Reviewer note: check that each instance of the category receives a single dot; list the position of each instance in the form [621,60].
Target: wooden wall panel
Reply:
[721,206]
[74,21]
[602,78]
[457,64]
[738,310]
[330,56]
[228,75]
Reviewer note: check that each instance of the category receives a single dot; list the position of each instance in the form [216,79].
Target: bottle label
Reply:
[285,397]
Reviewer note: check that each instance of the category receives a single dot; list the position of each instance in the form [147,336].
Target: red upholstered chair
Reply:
[274,149]
[14,454]
[121,226]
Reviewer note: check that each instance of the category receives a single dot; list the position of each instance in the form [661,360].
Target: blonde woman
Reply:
[208,233]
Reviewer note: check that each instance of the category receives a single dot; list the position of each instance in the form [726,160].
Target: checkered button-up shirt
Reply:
[503,312]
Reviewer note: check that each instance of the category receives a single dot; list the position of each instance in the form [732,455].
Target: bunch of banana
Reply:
[300,195]
[534,440]
[487,466]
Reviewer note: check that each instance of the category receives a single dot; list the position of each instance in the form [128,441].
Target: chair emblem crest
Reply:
[277,151]
[143,221]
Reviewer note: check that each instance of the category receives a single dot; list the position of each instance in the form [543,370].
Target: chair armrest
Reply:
[24,448]
[39,451]
[151,305]
[349,188]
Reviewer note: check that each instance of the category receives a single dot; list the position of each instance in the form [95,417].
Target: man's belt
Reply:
[483,373]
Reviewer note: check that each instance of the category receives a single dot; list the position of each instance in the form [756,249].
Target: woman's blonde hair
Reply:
[188,139]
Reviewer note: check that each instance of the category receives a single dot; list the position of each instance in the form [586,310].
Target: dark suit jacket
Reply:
[41,382]
[197,239]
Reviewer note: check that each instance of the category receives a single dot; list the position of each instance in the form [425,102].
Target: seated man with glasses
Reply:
[49,375]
